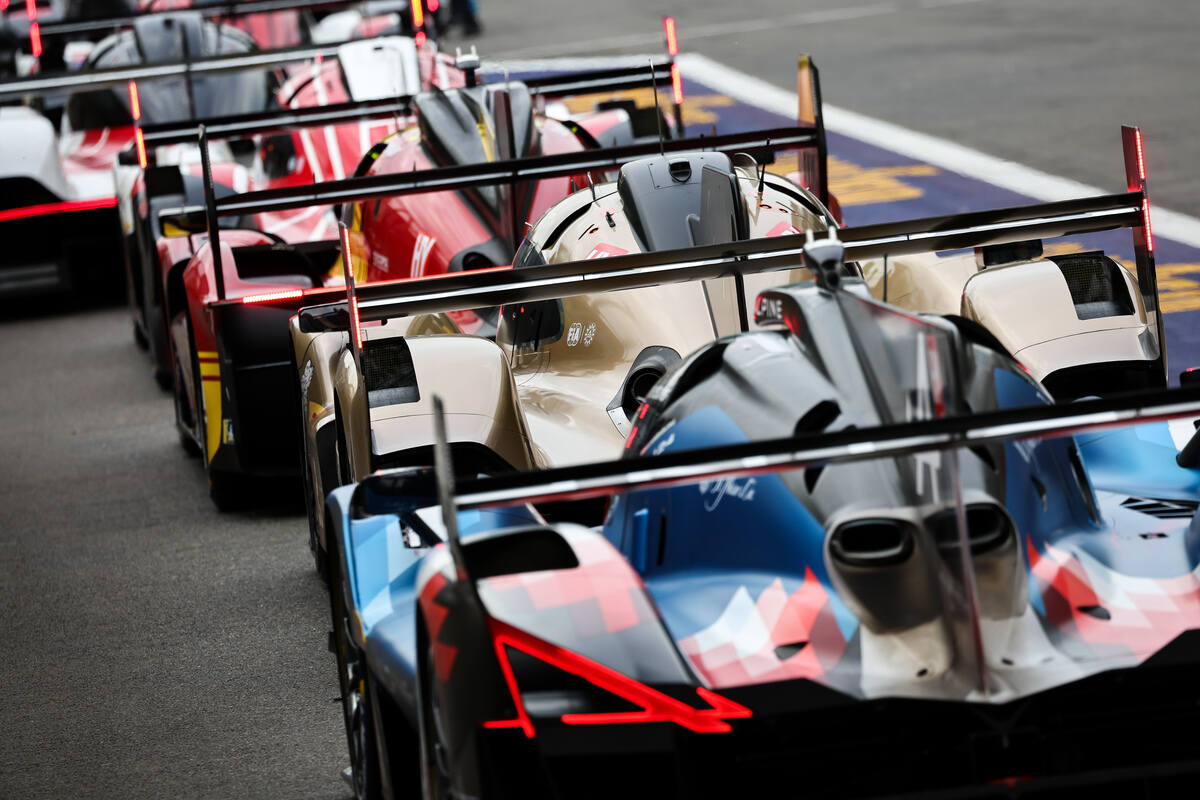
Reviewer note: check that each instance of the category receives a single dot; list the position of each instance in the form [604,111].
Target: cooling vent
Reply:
[1163,509]
[1096,287]
[389,374]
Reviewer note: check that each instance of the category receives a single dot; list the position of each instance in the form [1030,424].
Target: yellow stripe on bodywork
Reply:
[206,354]
[210,369]
[212,414]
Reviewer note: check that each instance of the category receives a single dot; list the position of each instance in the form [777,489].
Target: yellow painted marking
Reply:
[853,185]
[695,109]
[315,410]
[209,368]
[206,353]
[1179,287]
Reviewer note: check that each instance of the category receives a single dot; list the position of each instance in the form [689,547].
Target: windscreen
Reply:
[176,99]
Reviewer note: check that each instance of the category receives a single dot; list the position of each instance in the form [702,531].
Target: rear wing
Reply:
[501,286]
[382,492]
[234,126]
[352,190]
[117,76]
[216,11]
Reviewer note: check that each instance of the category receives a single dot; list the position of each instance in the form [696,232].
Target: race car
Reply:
[366,90]
[233,331]
[1080,322]
[193,69]
[822,533]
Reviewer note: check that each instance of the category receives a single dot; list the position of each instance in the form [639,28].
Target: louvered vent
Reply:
[1096,287]
[1163,509]
[389,374]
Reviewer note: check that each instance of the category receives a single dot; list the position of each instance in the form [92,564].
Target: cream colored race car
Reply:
[562,380]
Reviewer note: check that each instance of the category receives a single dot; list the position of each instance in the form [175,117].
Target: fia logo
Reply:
[574,333]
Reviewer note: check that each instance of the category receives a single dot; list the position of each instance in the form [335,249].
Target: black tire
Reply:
[185,437]
[435,771]
[139,338]
[357,707]
[224,488]
[320,558]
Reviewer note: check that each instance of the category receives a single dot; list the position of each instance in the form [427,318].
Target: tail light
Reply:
[654,706]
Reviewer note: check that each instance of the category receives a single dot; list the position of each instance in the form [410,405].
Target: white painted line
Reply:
[723,30]
[929,149]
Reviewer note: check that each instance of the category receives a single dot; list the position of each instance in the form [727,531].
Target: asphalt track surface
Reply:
[155,648]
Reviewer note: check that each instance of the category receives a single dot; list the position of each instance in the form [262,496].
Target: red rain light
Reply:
[1146,224]
[632,436]
[31,10]
[3,5]
[44,209]
[419,38]
[672,41]
[433,6]
[35,39]
[656,706]
[418,12]
[676,85]
[141,147]
[289,294]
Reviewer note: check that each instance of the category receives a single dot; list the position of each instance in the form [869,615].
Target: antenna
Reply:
[762,173]
[591,185]
[885,276]
[443,470]
[657,114]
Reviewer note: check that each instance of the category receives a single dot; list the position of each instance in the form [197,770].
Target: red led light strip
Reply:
[135,110]
[56,208]
[1146,224]
[676,85]
[35,30]
[1140,157]
[672,41]
[656,706]
[289,294]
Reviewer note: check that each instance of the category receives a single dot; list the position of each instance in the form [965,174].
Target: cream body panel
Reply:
[1029,304]
[1092,347]
[472,377]
[923,282]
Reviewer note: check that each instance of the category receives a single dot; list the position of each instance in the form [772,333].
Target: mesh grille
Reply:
[389,374]
[1096,287]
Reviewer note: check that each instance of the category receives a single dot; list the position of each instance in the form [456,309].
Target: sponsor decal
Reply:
[713,492]
[306,380]
[589,334]
[783,229]
[227,431]
[662,446]
[420,255]
[574,333]
[603,250]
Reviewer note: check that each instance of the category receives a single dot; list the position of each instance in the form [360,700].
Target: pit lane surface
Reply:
[155,648]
